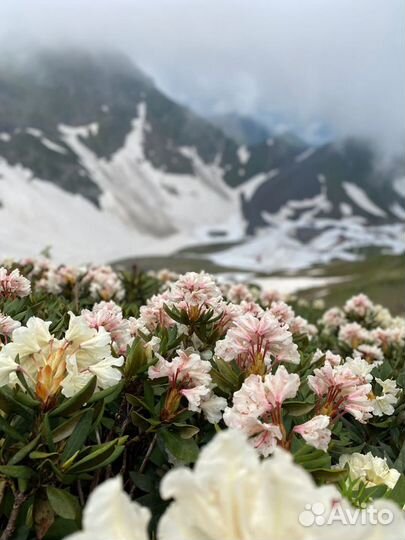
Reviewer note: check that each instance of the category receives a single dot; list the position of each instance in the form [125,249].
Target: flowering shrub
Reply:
[111,382]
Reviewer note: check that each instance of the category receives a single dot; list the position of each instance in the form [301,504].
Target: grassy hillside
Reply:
[382,277]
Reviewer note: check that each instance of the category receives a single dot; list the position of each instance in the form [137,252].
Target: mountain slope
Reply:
[136,172]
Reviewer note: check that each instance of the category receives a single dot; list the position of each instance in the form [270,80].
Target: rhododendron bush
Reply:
[137,406]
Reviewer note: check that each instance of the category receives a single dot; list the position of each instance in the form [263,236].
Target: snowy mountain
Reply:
[98,163]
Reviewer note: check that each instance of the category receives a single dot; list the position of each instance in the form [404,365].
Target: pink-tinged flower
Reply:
[256,409]
[371,353]
[388,337]
[281,386]
[239,292]
[188,375]
[296,324]
[152,316]
[269,296]
[282,311]
[108,315]
[251,307]
[262,435]
[341,390]
[333,318]
[300,326]
[104,283]
[8,325]
[315,432]
[357,402]
[195,293]
[13,284]
[329,357]
[254,342]
[353,334]
[68,275]
[359,305]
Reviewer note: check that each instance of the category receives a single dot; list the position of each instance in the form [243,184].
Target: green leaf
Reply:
[117,451]
[24,451]
[399,463]
[108,394]
[310,458]
[16,471]
[187,431]
[142,481]
[65,429]
[330,475]
[398,493]
[42,455]
[10,431]
[79,435]
[95,457]
[136,359]
[8,403]
[47,433]
[298,408]
[63,503]
[74,403]
[185,450]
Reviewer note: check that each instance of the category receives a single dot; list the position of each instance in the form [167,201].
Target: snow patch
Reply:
[37,214]
[277,248]
[53,146]
[249,188]
[398,211]
[152,201]
[360,197]
[345,209]
[243,154]
[399,186]
[5,137]
[304,155]
[33,132]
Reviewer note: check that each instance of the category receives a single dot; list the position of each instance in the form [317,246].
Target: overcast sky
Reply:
[338,63]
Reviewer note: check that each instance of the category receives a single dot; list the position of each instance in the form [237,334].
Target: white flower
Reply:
[7,366]
[231,495]
[111,515]
[370,469]
[31,338]
[107,372]
[75,379]
[88,344]
[212,407]
[315,432]
[361,368]
[384,404]
[8,325]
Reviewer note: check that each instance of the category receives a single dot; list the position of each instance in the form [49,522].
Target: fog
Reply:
[332,65]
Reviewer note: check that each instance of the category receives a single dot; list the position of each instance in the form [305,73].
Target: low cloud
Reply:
[333,63]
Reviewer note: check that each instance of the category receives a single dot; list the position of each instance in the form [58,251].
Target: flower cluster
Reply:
[231,495]
[66,365]
[188,376]
[116,373]
[13,284]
